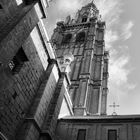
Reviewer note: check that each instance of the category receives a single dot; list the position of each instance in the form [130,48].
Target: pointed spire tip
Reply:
[93,1]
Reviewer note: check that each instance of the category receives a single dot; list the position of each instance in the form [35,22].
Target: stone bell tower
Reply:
[84,38]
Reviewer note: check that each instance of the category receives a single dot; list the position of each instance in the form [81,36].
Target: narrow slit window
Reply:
[18,60]
[112,134]
[81,134]
[14,95]
[84,19]
[1,6]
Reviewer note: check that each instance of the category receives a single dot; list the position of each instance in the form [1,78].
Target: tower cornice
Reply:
[87,24]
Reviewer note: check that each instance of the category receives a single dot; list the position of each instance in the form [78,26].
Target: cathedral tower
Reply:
[84,38]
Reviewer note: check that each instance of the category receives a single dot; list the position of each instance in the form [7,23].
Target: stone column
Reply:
[31,127]
[48,128]
[80,105]
[81,96]
[105,84]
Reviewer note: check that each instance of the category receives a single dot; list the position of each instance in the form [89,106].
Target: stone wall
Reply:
[17,91]
[34,120]
[97,129]
[8,10]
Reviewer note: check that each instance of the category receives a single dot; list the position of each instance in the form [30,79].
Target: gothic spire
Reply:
[93,1]
[91,4]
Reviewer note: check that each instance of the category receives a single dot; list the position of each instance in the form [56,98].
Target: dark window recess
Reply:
[112,134]
[27,2]
[18,60]
[22,113]
[0,6]
[73,95]
[66,39]
[67,60]
[84,19]
[80,37]
[81,134]
[14,95]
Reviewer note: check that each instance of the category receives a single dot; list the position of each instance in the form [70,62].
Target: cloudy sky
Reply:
[122,40]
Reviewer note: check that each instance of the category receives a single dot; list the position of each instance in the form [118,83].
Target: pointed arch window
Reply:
[66,38]
[84,19]
[80,37]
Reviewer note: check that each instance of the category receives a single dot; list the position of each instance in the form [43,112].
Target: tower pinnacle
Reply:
[93,1]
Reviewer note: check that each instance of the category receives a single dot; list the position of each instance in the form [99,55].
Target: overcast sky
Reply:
[122,40]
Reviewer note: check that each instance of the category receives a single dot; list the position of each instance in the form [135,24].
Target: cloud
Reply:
[69,6]
[117,31]
[110,10]
[118,72]
[126,30]
[119,85]
[110,37]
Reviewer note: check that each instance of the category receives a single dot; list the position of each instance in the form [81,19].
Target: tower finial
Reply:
[93,1]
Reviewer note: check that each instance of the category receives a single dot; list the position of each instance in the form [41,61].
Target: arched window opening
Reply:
[84,19]
[80,37]
[67,60]
[66,39]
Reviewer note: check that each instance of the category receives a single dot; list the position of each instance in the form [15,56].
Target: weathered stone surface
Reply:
[97,127]
[17,91]
[89,60]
